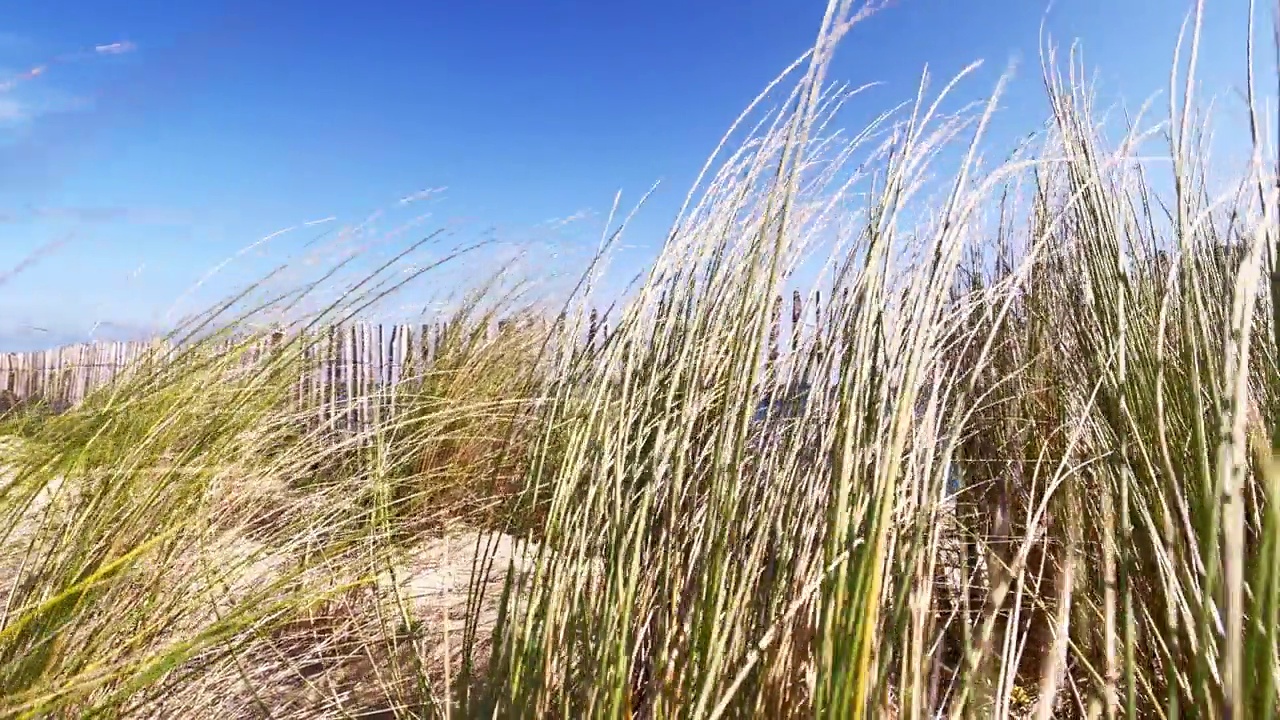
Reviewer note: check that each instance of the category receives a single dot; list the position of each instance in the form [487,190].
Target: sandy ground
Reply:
[346,656]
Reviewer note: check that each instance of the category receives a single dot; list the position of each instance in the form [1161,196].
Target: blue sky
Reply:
[160,138]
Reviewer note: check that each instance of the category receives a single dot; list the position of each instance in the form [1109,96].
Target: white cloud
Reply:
[14,81]
[557,223]
[115,48]
[22,99]
[421,195]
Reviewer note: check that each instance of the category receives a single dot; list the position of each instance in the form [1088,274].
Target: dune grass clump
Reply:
[1088,380]
[191,540]
[1018,462]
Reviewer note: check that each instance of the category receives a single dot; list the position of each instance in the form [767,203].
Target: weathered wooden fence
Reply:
[342,365]
[65,375]
[351,369]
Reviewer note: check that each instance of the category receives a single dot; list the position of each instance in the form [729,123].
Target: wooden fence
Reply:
[66,375]
[351,368]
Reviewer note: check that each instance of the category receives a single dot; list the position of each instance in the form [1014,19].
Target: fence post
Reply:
[795,321]
[775,332]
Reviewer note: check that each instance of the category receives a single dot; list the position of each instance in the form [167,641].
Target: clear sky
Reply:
[159,138]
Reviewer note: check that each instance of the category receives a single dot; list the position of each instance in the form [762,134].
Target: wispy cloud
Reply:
[12,82]
[19,106]
[421,195]
[115,48]
[557,223]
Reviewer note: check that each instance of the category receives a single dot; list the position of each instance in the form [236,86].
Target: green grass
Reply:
[1071,342]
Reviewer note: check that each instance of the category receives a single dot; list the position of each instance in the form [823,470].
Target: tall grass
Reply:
[187,542]
[702,570]
[1019,464]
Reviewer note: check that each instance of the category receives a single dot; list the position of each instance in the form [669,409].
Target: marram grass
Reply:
[1019,463]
